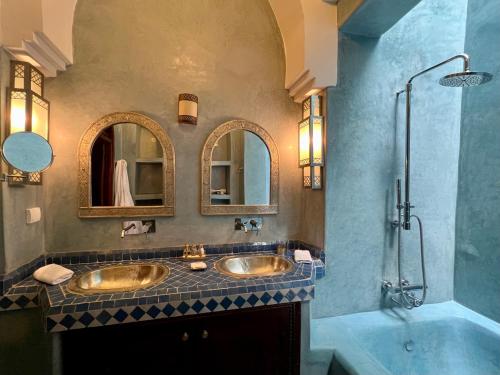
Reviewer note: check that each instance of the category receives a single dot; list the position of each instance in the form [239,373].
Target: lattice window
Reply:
[42,103]
[34,178]
[307,181]
[19,71]
[36,82]
[18,95]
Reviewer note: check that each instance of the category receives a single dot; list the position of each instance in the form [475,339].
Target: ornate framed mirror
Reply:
[239,171]
[126,168]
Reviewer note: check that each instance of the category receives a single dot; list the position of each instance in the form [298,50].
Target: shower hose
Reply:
[408,300]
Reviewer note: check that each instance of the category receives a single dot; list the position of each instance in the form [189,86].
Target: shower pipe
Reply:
[465,78]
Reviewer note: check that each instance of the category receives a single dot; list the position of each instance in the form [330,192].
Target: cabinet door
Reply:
[162,347]
[262,341]
[257,341]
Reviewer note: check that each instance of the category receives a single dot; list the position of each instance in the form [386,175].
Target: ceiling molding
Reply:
[44,38]
[310,37]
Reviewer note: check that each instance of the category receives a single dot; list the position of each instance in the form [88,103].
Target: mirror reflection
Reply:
[127,167]
[240,170]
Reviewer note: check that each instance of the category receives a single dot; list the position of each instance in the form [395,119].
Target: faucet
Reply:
[406,293]
[240,225]
[193,251]
[281,249]
[187,250]
[126,229]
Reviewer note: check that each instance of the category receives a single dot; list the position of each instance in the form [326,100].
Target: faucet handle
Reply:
[187,250]
[196,249]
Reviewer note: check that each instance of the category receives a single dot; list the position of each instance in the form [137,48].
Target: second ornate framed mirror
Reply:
[240,171]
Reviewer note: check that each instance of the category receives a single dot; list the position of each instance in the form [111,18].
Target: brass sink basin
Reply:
[242,266]
[120,278]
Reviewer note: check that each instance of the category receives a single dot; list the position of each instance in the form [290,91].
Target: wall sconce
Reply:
[27,110]
[311,146]
[313,177]
[188,109]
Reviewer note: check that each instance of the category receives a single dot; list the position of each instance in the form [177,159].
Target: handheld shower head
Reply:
[465,79]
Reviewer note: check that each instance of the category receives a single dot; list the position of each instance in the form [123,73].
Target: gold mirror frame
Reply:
[86,210]
[206,172]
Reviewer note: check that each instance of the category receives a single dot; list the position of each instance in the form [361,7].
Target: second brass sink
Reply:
[119,278]
[242,266]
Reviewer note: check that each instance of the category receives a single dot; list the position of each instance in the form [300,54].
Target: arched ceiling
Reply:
[310,37]
[41,32]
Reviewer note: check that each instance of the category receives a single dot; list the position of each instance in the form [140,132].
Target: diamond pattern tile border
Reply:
[18,301]
[130,314]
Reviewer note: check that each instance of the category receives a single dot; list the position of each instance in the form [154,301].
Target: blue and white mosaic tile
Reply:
[183,293]
[130,314]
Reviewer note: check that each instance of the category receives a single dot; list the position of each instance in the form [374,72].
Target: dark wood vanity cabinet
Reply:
[261,340]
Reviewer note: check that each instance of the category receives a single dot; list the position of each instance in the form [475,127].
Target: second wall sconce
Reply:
[27,110]
[188,109]
[311,145]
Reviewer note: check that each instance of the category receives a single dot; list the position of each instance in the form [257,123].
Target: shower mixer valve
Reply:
[405,291]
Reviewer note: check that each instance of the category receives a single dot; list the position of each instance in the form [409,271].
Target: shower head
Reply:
[465,79]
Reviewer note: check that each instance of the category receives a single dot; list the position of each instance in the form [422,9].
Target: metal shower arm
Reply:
[465,57]
[462,56]
[407,205]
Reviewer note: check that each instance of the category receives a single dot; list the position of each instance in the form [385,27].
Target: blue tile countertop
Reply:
[183,292]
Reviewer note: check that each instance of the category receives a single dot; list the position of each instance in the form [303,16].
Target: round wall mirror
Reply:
[27,152]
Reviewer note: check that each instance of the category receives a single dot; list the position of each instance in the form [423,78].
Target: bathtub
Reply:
[438,339]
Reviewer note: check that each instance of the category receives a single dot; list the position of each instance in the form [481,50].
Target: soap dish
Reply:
[198,266]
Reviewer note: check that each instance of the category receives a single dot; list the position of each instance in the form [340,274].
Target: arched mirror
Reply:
[126,168]
[239,171]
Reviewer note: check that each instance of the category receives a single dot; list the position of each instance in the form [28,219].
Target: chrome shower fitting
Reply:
[465,78]
[405,290]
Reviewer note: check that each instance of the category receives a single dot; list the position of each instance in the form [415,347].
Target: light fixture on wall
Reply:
[311,146]
[313,177]
[27,110]
[188,109]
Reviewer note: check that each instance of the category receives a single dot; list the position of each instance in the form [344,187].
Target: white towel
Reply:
[122,196]
[302,256]
[52,274]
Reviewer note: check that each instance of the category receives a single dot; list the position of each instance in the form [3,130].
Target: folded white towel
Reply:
[52,274]
[302,256]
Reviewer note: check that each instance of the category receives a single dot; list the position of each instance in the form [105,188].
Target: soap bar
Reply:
[198,266]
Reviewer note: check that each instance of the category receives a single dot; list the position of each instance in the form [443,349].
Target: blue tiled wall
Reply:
[477,265]
[365,151]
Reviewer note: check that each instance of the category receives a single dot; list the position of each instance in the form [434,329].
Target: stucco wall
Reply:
[21,243]
[477,261]
[365,156]
[138,56]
